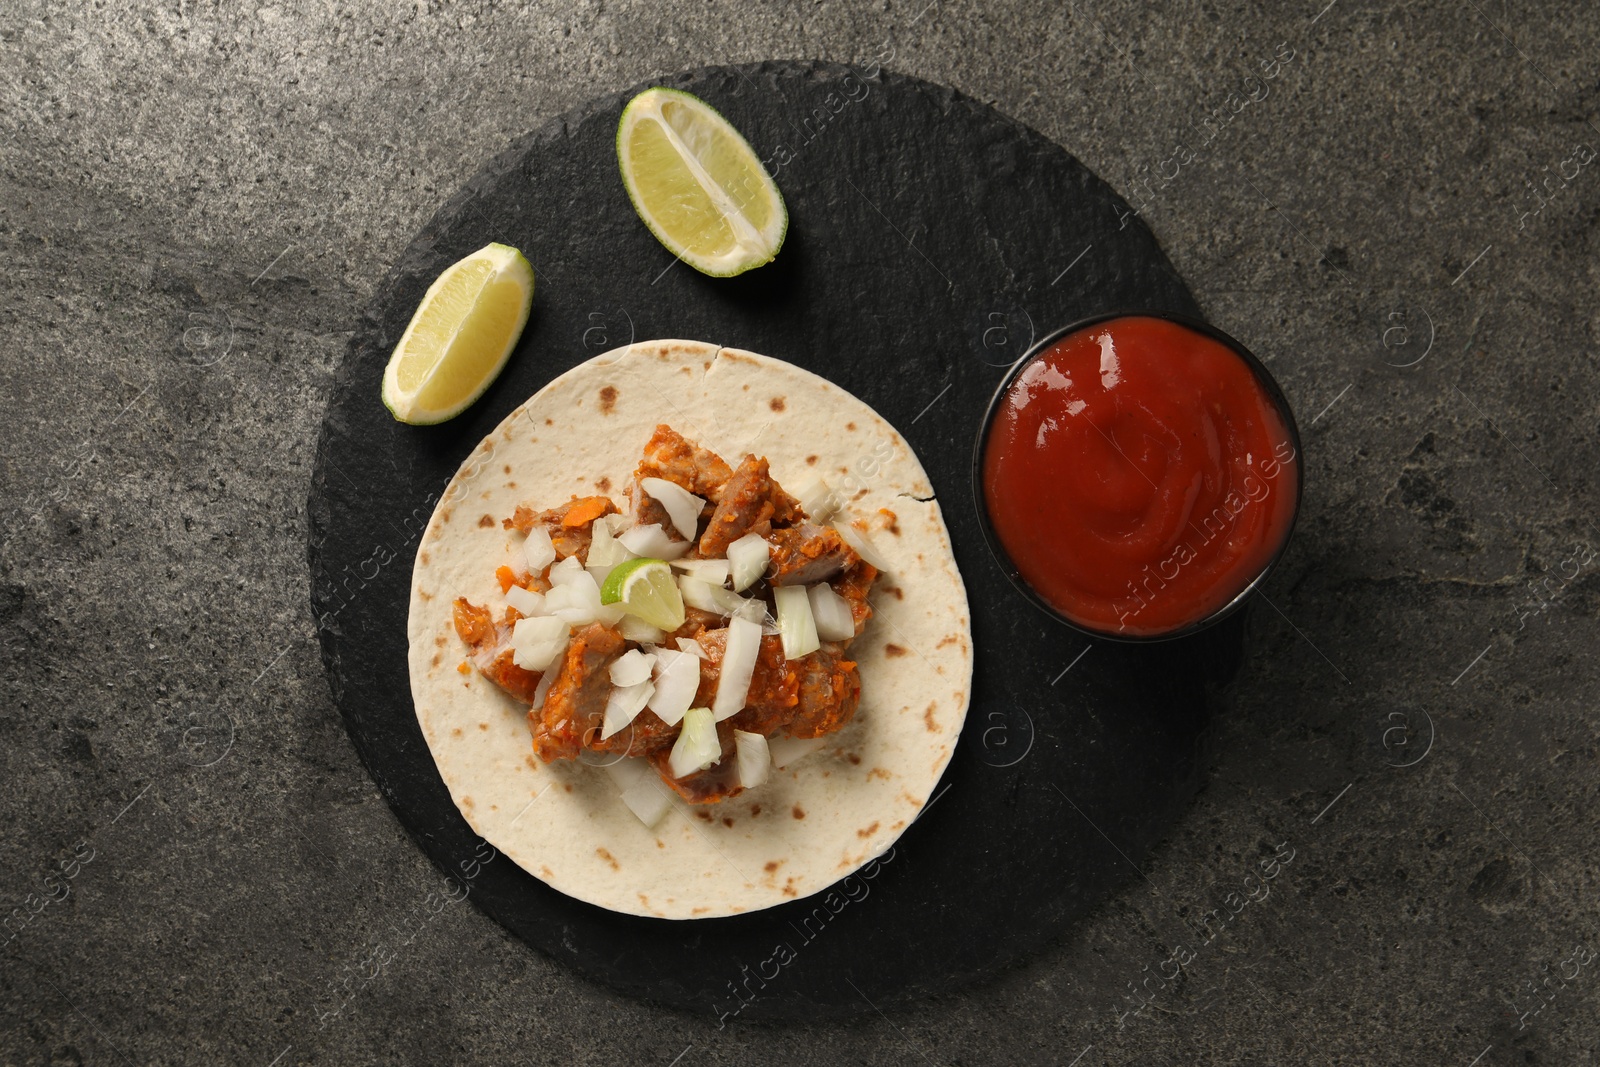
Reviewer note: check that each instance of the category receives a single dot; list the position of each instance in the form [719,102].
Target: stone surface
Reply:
[197,204]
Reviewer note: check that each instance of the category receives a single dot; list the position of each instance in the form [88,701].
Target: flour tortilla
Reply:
[813,822]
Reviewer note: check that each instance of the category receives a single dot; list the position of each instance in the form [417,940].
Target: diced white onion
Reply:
[693,647]
[605,552]
[861,543]
[576,597]
[632,667]
[754,759]
[785,750]
[708,597]
[566,572]
[625,772]
[817,500]
[652,541]
[697,746]
[615,523]
[623,704]
[738,667]
[795,624]
[538,550]
[682,505]
[535,643]
[677,680]
[648,799]
[526,601]
[636,629]
[747,557]
[711,571]
[831,613]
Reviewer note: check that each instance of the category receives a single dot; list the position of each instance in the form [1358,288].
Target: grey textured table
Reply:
[1401,220]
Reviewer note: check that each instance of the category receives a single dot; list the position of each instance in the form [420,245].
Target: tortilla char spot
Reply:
[788,891]
[455,732]
[532,764]
[698,911]
[609,858]
[895,591]
[915,802]
[547,422]
[436,658]
[702,814]
[811,461]
[951,639]
[483,726]
[727,821]
[899,825]
[798,812]
[880,772]
[466,802]
[893,525]
[893,649]
[867,831]
[545,872]
[439,639]
[486,520]
[424,556]
[773,865]
[608,399]
[850,426]
[860,493]
[777,403]
[508,468]
[660,843]
[685,370]
[745,387]
[927,717]
[755,809]
[423,594]
[511,485]
[853,758]
[603,484]
[567,786]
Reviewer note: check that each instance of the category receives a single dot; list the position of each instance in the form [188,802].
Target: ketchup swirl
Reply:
[1139,476]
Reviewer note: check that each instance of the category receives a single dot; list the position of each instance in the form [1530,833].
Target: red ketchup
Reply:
[1139,476]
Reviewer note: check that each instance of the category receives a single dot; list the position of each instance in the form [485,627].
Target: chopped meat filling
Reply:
[575,706]
[485,639]
[751,503]
[774,686]
[571,525]
[855,585]
[807,554]
[830,689]
[803,698]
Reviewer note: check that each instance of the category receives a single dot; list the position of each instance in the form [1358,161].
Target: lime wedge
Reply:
[698,185]
[460,336]
[646,589]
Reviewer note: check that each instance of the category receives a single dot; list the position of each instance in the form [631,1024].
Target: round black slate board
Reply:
[930,239]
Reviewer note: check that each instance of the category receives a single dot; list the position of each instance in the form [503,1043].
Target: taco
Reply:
[687,638]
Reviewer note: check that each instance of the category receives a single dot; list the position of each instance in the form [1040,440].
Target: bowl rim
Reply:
[1263,377]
